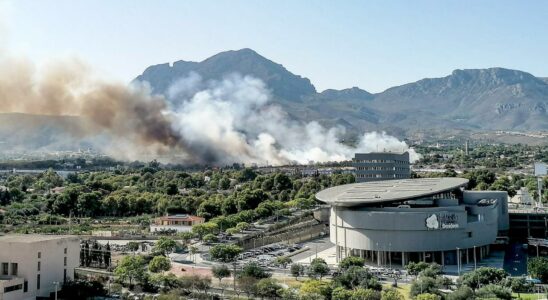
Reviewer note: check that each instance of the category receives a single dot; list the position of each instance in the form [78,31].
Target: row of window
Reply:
[13,288]
[382,161]
[381,169]
[6,269]
[382,176]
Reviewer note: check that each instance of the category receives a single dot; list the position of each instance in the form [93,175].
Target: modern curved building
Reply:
[427,219]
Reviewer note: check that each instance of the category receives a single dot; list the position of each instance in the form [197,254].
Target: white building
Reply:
[30,264]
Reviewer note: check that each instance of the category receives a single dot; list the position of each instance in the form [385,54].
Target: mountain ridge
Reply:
[491,99]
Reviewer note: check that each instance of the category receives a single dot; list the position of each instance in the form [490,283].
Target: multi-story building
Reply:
[179,223]
[381,166]
[33,266]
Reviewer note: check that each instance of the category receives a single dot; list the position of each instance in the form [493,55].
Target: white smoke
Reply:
[233,120]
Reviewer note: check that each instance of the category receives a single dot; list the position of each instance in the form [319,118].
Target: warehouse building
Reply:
[33,266]
[427,219]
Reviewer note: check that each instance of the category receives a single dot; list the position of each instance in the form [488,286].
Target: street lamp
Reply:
[56,284]
[458,261]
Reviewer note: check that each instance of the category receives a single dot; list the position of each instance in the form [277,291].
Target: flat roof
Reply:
[32,238]
[387,190]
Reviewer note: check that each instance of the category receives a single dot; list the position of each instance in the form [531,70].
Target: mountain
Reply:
[471,99]
[494,98]
[283,83]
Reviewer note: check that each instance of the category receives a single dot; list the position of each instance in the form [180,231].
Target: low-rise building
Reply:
[33,266]
[179,223]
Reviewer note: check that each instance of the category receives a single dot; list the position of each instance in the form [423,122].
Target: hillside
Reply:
[475,99]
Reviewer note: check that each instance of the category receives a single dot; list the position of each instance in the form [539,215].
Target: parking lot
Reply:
[267,255]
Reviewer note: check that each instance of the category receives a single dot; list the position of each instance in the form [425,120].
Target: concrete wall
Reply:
[472,197]
[52,267]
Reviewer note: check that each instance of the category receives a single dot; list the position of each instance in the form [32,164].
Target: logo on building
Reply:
[442,221]
[432,222]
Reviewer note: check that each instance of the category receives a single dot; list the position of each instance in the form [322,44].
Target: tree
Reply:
[225,252]
[427,296]
[296,270]
[159,264]
[132,246]
[318,268]
[165,246]
[341,293]
[253,269]
[268,288]
[537,267]
[462,293]
[283,261]
[131,268]
[205,228]
[247,284]
[519,285]
[391,294]
[220,272]
[414,268]
[494,291]
[210,238]
[483,276]
[368,294]
[347,262]
[315,289]
[424,285]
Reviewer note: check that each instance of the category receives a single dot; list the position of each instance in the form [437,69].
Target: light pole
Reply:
[56,284]
[458,261]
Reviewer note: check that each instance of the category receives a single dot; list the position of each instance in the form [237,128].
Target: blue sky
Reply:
[337,44]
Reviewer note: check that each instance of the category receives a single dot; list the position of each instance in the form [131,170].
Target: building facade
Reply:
[179,223]
[381,166]
[427,219]
[31,265]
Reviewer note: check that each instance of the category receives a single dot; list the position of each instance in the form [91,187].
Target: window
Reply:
[14,269]
[65,261]
[26,287]
[5,267]
[470,234]
[39,266]
[38,281]
[13,288]
[39,254]
[65,250]
[65,275]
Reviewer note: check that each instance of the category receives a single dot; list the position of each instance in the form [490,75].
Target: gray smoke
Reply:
[214,122]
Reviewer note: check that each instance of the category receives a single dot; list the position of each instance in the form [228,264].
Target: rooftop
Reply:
[387,190]
[31,238]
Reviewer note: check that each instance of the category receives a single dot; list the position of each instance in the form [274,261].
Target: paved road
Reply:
[318,245]
[515,260]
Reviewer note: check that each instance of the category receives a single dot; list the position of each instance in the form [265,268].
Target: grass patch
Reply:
[529,296]
[403,288]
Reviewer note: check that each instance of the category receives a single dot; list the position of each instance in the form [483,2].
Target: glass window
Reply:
[5,267]
[39,254]
[65,275]
[14,268]
[65,261]
[65,250]
[38,281]
[39,266]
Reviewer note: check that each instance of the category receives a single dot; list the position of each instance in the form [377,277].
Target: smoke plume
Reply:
[214,122]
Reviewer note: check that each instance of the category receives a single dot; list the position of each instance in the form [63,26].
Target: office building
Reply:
[381,166]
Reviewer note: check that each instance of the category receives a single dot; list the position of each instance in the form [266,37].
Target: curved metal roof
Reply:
[387,190]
